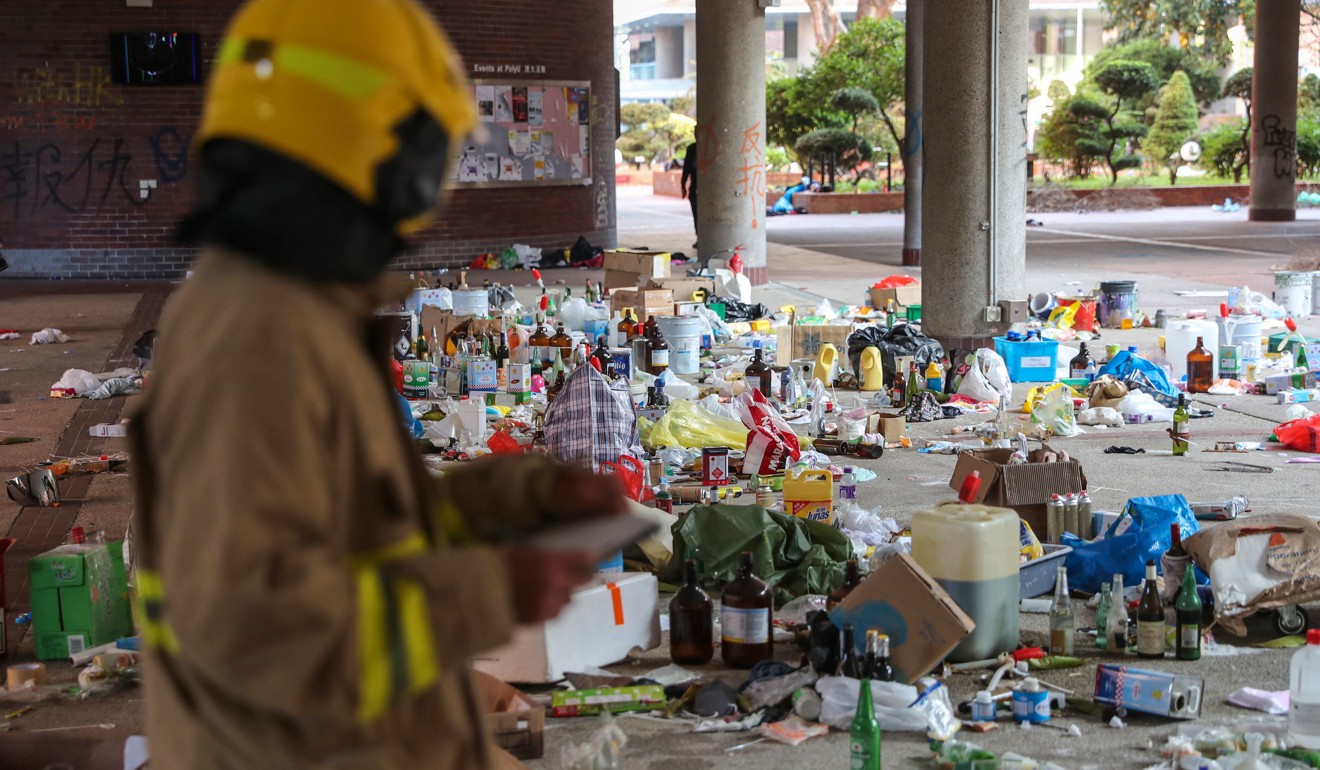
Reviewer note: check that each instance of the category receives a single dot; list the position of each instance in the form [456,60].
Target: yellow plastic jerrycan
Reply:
[873,373]
[809,494]
[827,364]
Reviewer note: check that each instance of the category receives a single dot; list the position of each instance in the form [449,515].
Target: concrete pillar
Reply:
[974,218]
[731,131]
[1274,112]
[912,142]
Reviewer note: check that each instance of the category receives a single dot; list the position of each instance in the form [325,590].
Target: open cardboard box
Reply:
[1024,488]
[903,296]
[515,722]
[902,600]
[649,264]
[601,625]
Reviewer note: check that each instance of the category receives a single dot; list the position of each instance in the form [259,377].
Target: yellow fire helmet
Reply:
[368,93]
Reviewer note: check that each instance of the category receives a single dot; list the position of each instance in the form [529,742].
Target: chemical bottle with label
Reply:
[1150,617]
[1063,624]
[934,377]
[657,349]
[691,640]
[1304,694]
[1081,367]
[851,578]
[1187,635]
[745,615]
[758,373]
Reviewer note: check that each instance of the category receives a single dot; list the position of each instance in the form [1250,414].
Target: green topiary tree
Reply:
[1221,151]
[1175,123]
[1123,82]
[834,148]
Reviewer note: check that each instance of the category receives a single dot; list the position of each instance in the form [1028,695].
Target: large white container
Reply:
[972,552]
[1315,293]
[1243,331]
[1292,290]
[683,333]
[1180,339]
[1304,694]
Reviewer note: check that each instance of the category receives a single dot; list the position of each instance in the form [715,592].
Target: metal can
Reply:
[765,496]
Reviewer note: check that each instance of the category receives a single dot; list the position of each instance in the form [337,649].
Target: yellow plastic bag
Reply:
[1063,317]
[690,426]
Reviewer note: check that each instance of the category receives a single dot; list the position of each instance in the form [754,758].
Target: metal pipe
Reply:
[992,263]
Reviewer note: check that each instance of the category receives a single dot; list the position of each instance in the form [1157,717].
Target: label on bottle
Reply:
[1061,641]
[1304,718]
[744,626]
[861,756]
[1076,373]
[1150,637]
[1189,636]
[659,358]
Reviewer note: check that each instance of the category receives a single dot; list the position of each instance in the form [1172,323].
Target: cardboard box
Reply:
[79,595]
[903,296]
[577,703]
[109,430]
[1298,381]
[806,340]
[645,302]
[685,289]
[1024,488]
[901,599]
[514,721]
[892,427]
[617,279]
[600,626]
[648,264]
[1230,362]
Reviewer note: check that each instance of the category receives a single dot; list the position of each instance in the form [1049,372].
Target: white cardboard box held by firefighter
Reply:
[1259,563]
[600,626]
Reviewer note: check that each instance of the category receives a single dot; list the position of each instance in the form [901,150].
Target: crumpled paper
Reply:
[48,336]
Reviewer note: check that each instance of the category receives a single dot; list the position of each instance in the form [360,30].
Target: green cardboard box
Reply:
[79,596]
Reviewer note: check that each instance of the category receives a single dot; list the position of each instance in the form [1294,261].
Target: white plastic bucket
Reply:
[472,302]
[1243,331]
[1180,339]
[1292,290]
[683,333]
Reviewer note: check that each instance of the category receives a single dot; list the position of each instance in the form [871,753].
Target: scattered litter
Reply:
[48,336]
[1124,450]
[1261,700]
[1116,723]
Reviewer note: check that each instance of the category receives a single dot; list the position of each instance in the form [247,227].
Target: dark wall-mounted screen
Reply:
[156,58]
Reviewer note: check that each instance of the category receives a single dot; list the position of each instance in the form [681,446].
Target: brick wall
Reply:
[74,147]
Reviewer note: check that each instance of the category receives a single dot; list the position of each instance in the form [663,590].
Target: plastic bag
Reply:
[926,408]
[1146,537]
[1137,372]
[793,731]
[1140,406]
[79,381]
[1055,412]
[573,313]
[1064,317]
[771,443]
[1036,394]
[1244,301]
[1302,435]
[1101,415]
[987,379]
[632,475]
[901,340]
[592,420]
[895,281]
[838,695]
[48,336]
[1105,391]
[688,425]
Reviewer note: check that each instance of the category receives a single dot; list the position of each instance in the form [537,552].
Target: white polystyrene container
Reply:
[972,552]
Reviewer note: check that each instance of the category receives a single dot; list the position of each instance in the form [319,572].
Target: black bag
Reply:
[742,311]
[901,340]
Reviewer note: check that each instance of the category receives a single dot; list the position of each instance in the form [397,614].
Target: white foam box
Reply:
[601,625]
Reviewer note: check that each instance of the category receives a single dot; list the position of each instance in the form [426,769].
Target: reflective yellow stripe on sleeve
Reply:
[156,629]
[395,642]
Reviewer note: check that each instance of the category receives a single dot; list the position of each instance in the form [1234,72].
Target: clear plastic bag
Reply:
[987,378]
[1055,412]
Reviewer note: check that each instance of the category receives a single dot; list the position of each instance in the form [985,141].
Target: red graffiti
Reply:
[752,180]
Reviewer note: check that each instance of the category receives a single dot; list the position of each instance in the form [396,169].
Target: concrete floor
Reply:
[837,257]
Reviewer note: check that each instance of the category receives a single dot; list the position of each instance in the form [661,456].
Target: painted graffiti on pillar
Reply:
[1284,143]
[602,201]
[1022,115]
[912,142]
[39,177]
[86,86]
[752,169]
[708,144]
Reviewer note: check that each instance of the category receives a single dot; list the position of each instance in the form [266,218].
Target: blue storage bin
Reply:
[1033,361]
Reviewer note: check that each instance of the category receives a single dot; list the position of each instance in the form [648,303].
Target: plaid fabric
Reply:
[592,420]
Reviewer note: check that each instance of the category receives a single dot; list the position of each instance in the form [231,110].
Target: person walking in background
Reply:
[688,184]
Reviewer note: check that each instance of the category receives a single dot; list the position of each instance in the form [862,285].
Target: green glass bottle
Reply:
[1102,616]
[1180,427]
[864,737]
[1187,643]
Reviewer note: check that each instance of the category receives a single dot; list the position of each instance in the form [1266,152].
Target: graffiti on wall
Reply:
[87,86]
[752,180]
[37,177]
[1283,142]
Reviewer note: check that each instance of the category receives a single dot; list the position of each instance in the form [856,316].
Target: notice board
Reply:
[531,133]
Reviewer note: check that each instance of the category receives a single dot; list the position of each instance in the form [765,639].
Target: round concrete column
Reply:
[731,131]
[1274,112]
[913,140]
[975,154]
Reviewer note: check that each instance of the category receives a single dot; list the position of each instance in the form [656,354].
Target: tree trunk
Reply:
[876,9]
[826,22]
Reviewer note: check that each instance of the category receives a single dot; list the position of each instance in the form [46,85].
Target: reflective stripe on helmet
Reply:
[352,79]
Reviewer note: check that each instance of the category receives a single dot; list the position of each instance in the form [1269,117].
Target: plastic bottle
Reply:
[616,326]
[934,377]
[663,499]
[847,487]
[1304,694]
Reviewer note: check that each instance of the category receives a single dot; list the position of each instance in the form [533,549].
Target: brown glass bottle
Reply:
[691,638]
[1200,368]
[1081,363]
[900,389]
[850,580]
[601,353]
[562,343]
[628,326]
[539,343]
[759,373]
[657,349]
[745,613]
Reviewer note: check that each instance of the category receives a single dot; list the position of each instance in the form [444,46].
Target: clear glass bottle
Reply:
[1063,624]
[1116,625]
[745,617]
[691,616]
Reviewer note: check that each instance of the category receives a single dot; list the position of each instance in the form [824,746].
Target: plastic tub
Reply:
[1117,303]
[972,552]
[473,302]
[1292,290]
[683,333]
[1036,577]
[1029,361]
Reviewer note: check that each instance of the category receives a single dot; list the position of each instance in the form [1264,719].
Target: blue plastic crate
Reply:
[1033,361]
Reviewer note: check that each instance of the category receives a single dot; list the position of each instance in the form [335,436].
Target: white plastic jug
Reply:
[1180,339]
